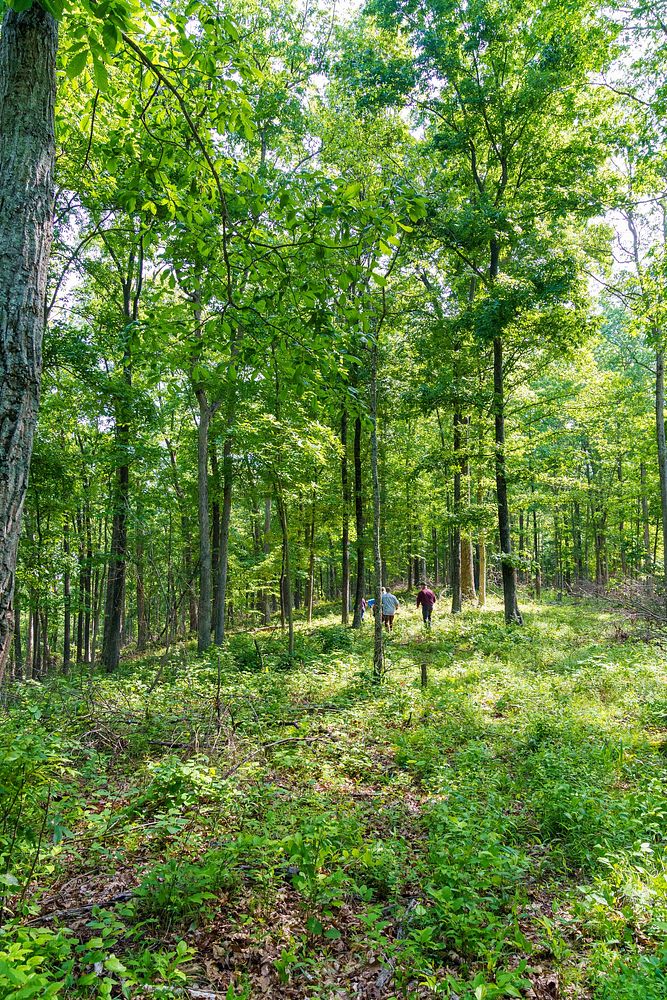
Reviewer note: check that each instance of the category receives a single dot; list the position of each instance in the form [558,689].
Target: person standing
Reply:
[390,606]
[425,600]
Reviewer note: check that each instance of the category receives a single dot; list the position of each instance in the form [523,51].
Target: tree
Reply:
[28,45]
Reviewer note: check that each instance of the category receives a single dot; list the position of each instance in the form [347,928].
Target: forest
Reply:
[333,499]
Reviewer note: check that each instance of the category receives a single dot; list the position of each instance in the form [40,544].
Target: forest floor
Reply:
[500,833]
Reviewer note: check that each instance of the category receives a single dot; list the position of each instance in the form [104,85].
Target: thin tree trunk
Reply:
[28,46]
[467,571]
[267,551]
[481,538]
[18,648]
[310,591]
[225,521]
[67,601]
[662,451]
[345,541]
[114,607]
[648,562]
[536,557]
[115,596]
[378,645]
[360,525]
[205,566]
[285,578]
[512,613]
[456,531]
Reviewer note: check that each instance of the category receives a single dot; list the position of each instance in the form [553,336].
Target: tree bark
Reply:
[345,541]
[512,613]
[205,567]
[267,550]
[456,530]
[310,583]
[360,524]
[18,648]
[67,600]
[28,46]
[225,521]
[662,451]
[285,578]
[648,562]
[378,644]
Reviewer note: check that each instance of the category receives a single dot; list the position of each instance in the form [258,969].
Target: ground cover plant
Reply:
[499,832]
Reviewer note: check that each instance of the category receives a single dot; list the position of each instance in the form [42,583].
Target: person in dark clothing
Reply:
[425,600]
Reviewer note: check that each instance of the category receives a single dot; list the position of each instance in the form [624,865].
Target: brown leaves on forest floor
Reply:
[269,952]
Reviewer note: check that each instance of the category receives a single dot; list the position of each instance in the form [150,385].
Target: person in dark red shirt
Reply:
[425,600]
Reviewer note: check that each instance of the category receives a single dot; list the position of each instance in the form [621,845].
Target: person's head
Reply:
[388,590]
[422,586]
[384,590]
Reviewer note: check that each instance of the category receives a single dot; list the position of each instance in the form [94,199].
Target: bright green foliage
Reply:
[508,818]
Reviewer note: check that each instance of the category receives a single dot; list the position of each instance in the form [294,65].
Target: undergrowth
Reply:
[307,833]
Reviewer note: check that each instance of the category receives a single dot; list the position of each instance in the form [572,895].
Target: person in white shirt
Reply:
[390,606]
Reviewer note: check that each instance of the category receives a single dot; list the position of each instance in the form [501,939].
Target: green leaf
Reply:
[77,64]
[110,36]
[114,964]
[100,74]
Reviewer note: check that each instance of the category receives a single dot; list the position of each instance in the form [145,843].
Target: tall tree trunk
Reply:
[67,600]
[536,557]
[28,639]
[481,538]
[512,613]
[114,607]
[115,595]
[18,648]
[456,531]
[267,550]
[467,557]
[28,46]
[360,525]
[345,540]
[662,451]
[310,583]
[225,521]
[285,577]
[648,562]
[215,538]
[378,645]
[205,566]
[88,642]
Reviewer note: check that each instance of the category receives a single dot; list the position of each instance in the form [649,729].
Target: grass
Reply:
[313,835]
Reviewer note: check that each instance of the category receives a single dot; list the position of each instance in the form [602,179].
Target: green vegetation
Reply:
[318,833]
[302,302]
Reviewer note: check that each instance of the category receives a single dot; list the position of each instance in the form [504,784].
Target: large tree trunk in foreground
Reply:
[28,45]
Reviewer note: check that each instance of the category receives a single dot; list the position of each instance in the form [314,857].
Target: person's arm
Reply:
[419,598]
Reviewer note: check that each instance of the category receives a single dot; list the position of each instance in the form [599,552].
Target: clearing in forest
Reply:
[264,829]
